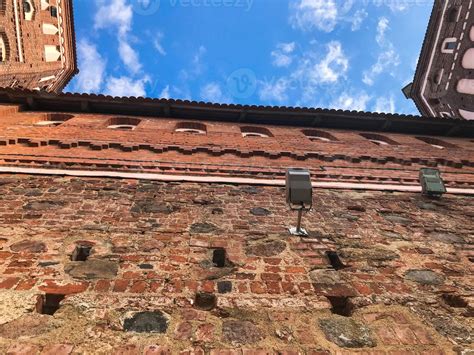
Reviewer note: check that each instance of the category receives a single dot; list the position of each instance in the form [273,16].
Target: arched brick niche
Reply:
[3,7]
[123,123]
[317,135]
[53,119]
[254,131]
[436,143]
[378,139]
[4,47]
[191,127]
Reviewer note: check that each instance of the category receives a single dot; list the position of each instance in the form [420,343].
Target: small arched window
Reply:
[436,143]
[378,139]
[28,10]
[53,119]
[452,14]
[4,48]
[191,127]
[449,45]
[3,7]
[317,135]
[123,123]
[251,131]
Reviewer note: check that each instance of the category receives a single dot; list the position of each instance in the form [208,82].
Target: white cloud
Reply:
[382,27]
[113,13]
[311,73]
[118,15]
[314,14]
[276,91]
[347,101]
[197,65]
[385,105]
[387,59]
[126,86]
[395,5]
[334,65]
[165,93]
[282,55]
[91,75]
[129,56]
[158,37]
[212,92]
[357,19]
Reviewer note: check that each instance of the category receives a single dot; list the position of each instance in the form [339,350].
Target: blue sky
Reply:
[347,54]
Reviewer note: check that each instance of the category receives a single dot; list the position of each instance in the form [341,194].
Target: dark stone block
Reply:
[397,219]
[92,269]
[266,249]
[145,266]
[44,205]
[147,322]
[224,286]
[29,246]
[259,211]
[347,332]
[152,206]
[202,228]
[424,277]
[241,332]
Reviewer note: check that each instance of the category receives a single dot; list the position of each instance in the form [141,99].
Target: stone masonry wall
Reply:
[181,268]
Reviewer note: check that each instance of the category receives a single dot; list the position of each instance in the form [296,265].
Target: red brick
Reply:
[156,350]
[296,270]
[183,331]
[138,287]
[273,287]
[129,349]
[57,349]
[205,332]
[65,289]
[23,349]
[257,287]
[102,286]
[9,282]
[405,334]
[270,277]
[120,285]
[25,285]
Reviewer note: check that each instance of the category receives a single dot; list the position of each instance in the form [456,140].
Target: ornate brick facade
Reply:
[139,226]
[443,84]
[37,44]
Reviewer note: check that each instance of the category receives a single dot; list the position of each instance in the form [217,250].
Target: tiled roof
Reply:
[268,115]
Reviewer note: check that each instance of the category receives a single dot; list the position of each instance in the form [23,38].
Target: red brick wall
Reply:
[85,142]
[405,284]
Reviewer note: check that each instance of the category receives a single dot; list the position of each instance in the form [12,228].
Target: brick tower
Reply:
[145,226]
[443,85]
[37,45]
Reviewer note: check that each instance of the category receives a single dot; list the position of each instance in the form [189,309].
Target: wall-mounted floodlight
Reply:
[299,195]
[431,182]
